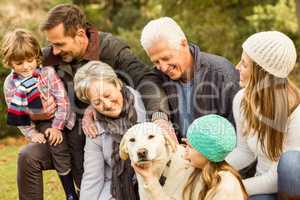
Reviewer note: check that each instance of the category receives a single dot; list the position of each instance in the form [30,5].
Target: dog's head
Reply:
[143,142]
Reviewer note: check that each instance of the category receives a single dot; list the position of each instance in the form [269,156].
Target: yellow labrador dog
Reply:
[145,143]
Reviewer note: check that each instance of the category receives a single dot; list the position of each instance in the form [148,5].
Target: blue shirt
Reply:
[185,107]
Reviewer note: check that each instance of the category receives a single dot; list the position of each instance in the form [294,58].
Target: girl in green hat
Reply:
[209,139]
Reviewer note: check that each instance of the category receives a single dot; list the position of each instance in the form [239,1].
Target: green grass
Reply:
[8,176]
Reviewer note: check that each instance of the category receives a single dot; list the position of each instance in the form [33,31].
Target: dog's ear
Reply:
[123,151]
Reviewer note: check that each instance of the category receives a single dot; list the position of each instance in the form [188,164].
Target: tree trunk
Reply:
[298,14]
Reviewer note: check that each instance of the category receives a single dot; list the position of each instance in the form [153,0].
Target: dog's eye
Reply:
[150,136]
[132,140]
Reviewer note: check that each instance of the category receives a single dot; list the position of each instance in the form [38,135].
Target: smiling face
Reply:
[106,98]
[67,47]
[25,67]
[175,63]
[244,66]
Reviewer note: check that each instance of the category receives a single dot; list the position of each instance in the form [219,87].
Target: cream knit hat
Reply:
[273,51]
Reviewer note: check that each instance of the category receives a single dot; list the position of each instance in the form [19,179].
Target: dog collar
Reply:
[162,179]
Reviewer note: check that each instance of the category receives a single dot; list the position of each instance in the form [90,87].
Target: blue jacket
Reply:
[215,84]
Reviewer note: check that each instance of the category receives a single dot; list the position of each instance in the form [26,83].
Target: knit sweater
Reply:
[229,188]
[249,149]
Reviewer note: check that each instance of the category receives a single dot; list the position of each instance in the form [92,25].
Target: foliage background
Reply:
[217,26]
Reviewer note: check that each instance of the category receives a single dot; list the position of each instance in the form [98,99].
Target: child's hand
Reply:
[54,136]
[38,138]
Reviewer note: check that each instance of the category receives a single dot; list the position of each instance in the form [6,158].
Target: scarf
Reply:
[122,186]
[27,96]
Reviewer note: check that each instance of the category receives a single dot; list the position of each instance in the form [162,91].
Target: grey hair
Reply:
[164,28]
[91,72]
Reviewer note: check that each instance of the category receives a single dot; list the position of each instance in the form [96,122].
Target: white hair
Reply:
[90,72]
[164,28]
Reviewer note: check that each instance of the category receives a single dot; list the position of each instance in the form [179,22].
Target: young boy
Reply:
[24,88]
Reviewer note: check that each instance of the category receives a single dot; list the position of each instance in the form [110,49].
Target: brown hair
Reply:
[267,103]
[19,45]
[69,15]
[211,179]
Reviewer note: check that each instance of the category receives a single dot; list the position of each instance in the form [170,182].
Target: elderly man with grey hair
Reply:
[196,83]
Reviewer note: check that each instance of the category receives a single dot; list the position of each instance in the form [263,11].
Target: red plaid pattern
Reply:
[49,84]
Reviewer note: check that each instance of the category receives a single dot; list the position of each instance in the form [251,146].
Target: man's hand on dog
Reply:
[169,132]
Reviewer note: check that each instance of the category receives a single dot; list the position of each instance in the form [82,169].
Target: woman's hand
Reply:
[145,171]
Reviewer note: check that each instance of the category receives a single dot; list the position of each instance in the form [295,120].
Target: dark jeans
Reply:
[60,153]
[288,179]
[289,176]
[34,158]
[263,197]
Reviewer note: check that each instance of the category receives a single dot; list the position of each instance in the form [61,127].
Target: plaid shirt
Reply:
[49,84]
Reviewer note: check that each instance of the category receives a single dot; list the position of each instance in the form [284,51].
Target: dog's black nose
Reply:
[142,153]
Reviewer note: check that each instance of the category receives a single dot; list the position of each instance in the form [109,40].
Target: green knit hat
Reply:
[213,136]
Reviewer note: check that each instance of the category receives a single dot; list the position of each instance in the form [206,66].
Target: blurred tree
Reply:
[123,18]
[217,26]
[298,13]
[280,16]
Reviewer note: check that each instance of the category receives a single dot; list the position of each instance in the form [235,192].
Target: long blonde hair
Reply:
[211,179]
[267,103]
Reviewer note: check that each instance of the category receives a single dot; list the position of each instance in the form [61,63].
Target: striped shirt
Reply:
[48,84]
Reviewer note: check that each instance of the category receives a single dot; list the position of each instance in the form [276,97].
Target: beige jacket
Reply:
[176,174]
[229,188]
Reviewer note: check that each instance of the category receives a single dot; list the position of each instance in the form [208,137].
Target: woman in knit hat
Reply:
[209,140]
[267,116]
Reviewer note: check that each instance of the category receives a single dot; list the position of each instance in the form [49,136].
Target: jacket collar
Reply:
[195,50]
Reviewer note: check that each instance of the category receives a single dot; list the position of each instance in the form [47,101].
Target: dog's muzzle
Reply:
[142,154]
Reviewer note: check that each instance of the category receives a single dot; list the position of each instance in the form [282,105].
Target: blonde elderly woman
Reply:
[118,108]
